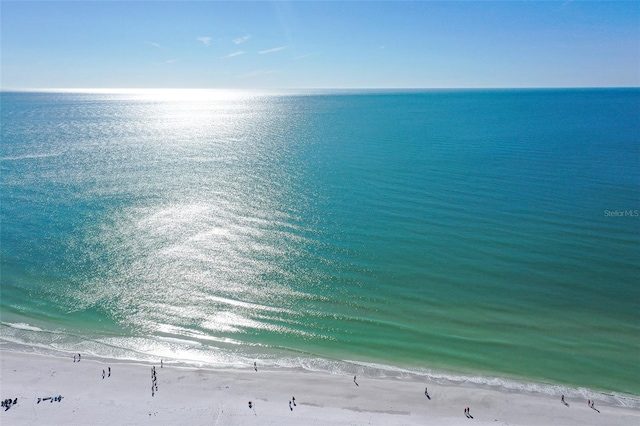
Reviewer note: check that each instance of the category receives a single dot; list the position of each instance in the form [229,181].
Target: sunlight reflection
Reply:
[173,95]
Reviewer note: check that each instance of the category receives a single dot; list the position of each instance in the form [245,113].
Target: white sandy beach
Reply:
[191,396]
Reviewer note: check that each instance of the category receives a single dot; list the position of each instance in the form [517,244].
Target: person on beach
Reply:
[255,366]
[354,381]
[426,393]
[74,358]
[160,363]
[294,401]
[290,407]
[562,400]
[103,374]
[250,404]
[109,372]
[78,357]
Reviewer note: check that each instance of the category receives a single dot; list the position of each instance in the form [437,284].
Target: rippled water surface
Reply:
[485,233]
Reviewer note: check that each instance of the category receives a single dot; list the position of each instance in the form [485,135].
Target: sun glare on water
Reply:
[170,95]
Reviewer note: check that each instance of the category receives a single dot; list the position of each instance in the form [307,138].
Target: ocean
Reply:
[487,236]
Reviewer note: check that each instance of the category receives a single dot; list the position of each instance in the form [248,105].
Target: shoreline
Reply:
[194,395]
[309,363]
[314,364]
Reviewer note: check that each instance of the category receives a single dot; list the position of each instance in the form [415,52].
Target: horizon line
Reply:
[111,89]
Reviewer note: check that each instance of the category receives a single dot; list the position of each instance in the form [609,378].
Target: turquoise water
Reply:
[465,233]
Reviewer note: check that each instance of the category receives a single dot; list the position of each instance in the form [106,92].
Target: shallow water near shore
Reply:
[479,233]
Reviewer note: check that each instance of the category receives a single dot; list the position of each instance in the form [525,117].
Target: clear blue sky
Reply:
[178,44]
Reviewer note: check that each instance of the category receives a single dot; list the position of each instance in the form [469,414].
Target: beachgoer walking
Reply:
[78,357]
[74,358]
[103,374]
[109,372]
[294,400]
[290,407]
[160,363]
[255,366]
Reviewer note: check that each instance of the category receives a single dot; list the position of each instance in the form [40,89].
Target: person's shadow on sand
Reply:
[467,413]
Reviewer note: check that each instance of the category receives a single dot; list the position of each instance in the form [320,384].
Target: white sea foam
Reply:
[22,326]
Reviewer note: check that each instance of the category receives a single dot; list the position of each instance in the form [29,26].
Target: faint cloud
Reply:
[154,44]
[255,74]
[205,40]
[231,55]
[275,49]
[241,40]
[305,56]
[171,61]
